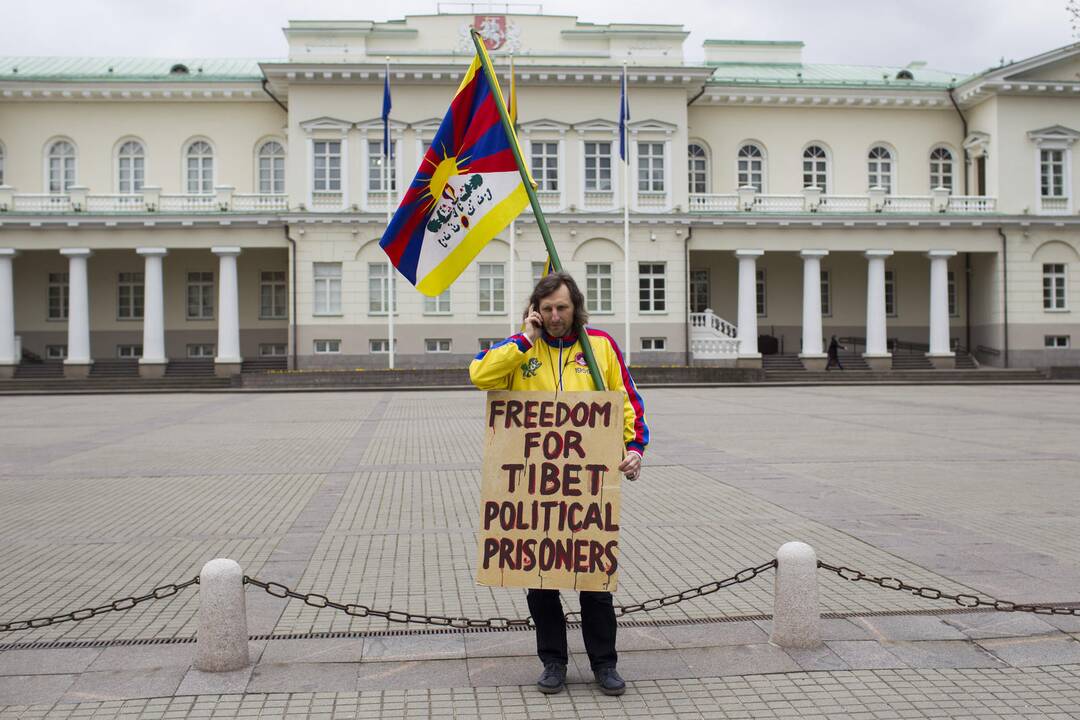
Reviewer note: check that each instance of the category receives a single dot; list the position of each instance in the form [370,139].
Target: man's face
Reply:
[557,310]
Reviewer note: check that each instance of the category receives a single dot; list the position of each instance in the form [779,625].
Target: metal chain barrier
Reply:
[968,601]
[316,600]
[119,605]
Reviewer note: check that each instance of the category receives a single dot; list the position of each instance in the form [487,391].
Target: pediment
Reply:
[652,126]
[544,124]
[326,123]
[606,126]
[431,124]
[1054,133]
[1065,70]
[376,123]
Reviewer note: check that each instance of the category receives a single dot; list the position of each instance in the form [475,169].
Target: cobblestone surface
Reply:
[1051,692]
[372,498]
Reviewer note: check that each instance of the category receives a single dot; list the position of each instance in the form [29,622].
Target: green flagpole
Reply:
[556,264]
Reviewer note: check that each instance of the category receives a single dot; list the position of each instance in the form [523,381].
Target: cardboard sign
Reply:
[549,501]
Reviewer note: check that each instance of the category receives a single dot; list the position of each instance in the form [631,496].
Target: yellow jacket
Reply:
[558,364]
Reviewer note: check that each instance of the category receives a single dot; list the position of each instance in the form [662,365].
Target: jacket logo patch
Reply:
[529,369]
[580,359]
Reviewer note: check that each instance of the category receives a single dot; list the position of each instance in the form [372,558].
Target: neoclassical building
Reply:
[228,211]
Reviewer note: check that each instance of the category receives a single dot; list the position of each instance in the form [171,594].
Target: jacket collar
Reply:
[560,342]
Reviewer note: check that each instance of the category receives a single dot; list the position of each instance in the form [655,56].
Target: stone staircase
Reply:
[115,369]
[190,369]
[42,370]
[781,363]
[265,364]
[911,361]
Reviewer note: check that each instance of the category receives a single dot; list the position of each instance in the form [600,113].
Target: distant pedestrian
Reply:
[834,354]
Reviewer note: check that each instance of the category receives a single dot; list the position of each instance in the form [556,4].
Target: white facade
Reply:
[224,210]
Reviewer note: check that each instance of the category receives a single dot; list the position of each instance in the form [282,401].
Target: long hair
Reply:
[552,282]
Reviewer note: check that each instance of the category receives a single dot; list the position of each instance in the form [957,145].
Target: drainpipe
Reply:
[686,259]
[967,255]
[273,97]
[1005,294]
[292,293]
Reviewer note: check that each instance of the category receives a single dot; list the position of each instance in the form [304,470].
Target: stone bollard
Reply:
[222,640]
[796,615]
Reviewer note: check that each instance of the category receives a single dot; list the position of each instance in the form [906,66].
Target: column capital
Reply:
[743,253]
[877,253]
[225,251]
[152,251]
[940,254]
[76,252]
[813,253]
[8,252]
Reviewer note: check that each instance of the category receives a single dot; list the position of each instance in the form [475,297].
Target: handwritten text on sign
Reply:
[549,505]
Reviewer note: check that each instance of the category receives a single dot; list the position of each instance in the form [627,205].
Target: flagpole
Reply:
[541,223]
[513,228]
[389,215]
[626,215]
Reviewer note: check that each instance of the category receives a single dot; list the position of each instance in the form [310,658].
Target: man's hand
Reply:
[533,324]
[631,465]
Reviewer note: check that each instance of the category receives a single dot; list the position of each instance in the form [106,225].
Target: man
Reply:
[834,354]
[547,356]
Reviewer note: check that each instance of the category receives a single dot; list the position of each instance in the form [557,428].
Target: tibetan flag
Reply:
[467,189]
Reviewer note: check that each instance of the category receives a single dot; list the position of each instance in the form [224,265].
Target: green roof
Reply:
[128,69]
[795,74]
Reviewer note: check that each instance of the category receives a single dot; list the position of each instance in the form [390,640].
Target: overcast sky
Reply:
[955,35]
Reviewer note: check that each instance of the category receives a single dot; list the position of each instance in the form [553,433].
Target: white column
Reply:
[78,360]
[228,342]
[153,311]
[747,329]
[811,354]
[877,351]
[8,358]
[939,308]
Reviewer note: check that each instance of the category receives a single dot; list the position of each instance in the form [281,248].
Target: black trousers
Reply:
[597,627]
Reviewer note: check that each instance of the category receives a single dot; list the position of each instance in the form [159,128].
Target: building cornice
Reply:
[800,97]
[14,91]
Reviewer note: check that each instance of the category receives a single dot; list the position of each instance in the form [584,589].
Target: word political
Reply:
[553,495]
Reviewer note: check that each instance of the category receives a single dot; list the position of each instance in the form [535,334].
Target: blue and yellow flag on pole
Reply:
[467,189]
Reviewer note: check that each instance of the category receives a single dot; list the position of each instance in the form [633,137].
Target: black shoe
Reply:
[609,681]
[553,679]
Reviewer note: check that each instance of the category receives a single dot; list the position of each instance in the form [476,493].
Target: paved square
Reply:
[372,498]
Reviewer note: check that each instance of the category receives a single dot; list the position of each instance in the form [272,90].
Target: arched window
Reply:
[815,168]
[130,167]
[200,168]
[699,169]
[941,168]
[61,166]
[880,168]
[751,167]
[271,168]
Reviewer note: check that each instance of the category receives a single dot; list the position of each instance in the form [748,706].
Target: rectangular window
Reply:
[327,288]
[954,310]
[699,291]
[545,165]
[650,167]
[537,272]
[272,295]
[130,293]
[826,294]
[272,349]
[598,166]
[598,288]
[200,296]
[1054,297]
[375,166]
[272,174]
[131,173]
[697,165]
[651,287]
[379,346]
[654,343]
[128,351]
[378,294]
[488,343]
[890,293]
[437,345]
[58,296]
[1052,173]
[327,347]
[1056,341]
[492,291]
[438,305]
[326,165]
[55,352]
[200,351]
[760,292]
